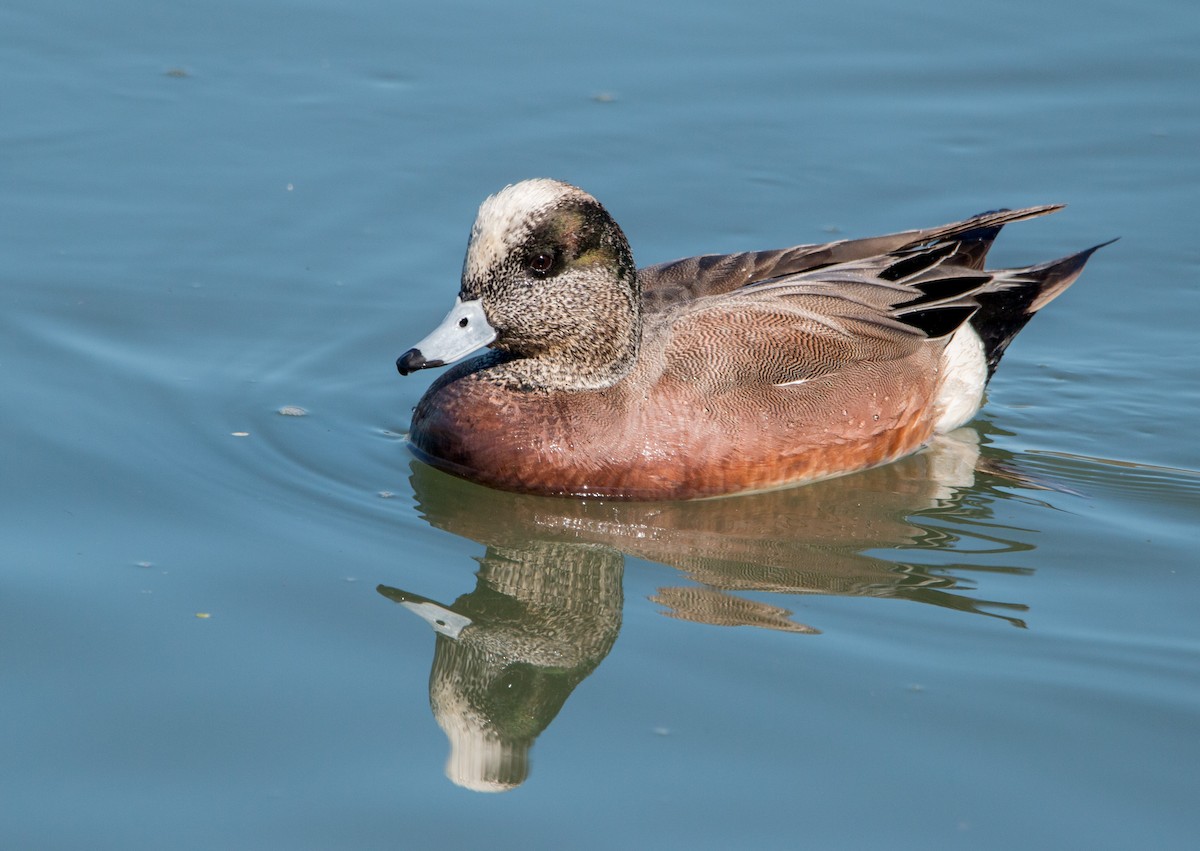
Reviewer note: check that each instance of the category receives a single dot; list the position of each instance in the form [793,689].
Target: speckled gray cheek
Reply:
[490,271]
[491,281]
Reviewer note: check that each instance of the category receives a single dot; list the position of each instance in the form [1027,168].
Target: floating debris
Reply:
[203,615]
[293,411]
[240,433]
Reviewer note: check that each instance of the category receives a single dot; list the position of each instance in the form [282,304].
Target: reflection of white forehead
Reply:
[506,218]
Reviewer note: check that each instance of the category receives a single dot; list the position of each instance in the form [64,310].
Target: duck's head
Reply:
[548,278]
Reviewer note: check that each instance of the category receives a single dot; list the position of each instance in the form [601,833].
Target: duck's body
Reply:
[713,375]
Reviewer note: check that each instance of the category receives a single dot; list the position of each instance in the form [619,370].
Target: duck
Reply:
[711,375]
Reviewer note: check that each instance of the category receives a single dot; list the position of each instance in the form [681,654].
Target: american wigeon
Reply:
[710,375]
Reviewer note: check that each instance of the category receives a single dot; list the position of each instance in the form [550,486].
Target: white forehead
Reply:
[506,219]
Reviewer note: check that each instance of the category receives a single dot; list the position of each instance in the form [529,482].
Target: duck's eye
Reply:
[540,262]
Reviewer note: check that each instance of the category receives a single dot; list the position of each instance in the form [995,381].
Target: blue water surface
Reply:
[220,223]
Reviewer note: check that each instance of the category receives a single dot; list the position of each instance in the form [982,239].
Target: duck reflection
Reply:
[509,653]
[546,607]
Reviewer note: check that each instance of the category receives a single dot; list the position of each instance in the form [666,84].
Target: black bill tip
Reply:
[412,360]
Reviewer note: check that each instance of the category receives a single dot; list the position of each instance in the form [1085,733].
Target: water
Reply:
[215,211]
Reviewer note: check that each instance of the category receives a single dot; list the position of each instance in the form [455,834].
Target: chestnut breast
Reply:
[660,434]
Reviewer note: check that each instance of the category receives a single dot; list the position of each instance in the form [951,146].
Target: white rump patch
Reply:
[964,375]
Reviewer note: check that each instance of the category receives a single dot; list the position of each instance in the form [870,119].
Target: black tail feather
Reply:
[1004,309]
